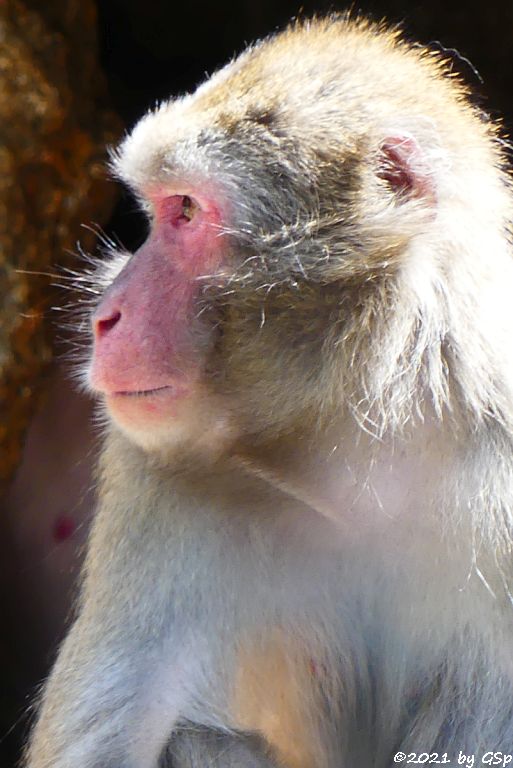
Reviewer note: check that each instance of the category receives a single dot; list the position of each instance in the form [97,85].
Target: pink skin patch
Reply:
[145,358]
[405,168]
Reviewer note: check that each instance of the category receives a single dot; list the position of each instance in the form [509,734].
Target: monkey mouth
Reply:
[142,392]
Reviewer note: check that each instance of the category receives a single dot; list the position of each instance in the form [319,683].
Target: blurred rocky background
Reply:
[73,74]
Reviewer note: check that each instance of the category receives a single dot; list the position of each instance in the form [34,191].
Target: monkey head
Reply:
[291,198]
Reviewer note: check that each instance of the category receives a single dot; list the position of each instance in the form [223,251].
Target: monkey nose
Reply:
[102,325]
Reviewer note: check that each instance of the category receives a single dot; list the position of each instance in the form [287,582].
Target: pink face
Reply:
[145,361]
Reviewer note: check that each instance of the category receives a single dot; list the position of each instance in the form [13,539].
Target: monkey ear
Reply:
[404,166]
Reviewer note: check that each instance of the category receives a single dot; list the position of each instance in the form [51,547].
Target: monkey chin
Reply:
[165,420]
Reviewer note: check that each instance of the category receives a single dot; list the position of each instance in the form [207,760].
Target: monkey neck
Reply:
[343,473]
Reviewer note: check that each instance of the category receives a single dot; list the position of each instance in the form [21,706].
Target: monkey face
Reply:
[150,345]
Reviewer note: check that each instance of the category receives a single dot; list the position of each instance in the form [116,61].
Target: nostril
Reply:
[107,323]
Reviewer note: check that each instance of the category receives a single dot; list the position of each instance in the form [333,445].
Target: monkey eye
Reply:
[178,209]
[189,207]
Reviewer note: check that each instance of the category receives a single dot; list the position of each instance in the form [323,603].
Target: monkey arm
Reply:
[116,693]
[97,709]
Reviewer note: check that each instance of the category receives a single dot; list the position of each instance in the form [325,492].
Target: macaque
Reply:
[302,550]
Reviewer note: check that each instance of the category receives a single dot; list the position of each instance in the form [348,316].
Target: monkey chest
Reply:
[281,692]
